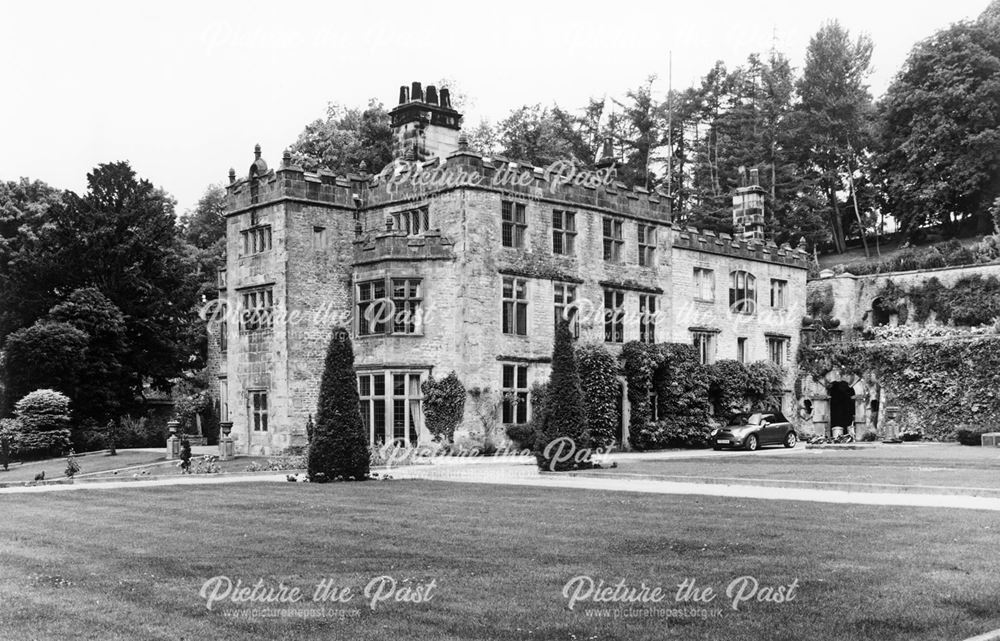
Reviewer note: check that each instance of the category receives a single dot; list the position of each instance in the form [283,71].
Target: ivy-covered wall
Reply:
[940,383]
[690,397]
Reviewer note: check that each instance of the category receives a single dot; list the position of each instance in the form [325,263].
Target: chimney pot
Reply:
[432,95]
[445,98]
[416,93]
[404,95]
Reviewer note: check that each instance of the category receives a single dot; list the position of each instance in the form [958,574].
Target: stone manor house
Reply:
[451,260]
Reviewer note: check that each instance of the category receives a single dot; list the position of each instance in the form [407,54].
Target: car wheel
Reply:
[791,439]
[717,448]
[751,443]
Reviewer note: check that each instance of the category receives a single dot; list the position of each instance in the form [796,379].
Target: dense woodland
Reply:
[102,290]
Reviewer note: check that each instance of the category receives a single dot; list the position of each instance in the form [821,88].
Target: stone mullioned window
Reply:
[513,224]
[563,232]
[390,305]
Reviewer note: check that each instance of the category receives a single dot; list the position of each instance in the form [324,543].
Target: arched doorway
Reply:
[841,404]
[880,314]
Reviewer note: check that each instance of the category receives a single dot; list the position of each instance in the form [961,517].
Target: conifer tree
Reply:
[338,449]
[566,417]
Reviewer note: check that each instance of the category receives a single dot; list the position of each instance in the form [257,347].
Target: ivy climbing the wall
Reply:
[971,301]
[943,384]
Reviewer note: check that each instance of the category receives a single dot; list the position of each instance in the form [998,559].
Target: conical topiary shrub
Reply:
[338,449]
[565,413]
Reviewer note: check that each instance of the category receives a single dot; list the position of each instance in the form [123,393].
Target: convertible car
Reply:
[756,430]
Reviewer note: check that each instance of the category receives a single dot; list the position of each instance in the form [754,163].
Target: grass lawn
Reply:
[128,564]
[171,468]
[93,462]
[100,465]
[933,465]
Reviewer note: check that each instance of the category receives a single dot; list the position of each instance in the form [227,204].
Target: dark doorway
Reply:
[880,314]
[841,405]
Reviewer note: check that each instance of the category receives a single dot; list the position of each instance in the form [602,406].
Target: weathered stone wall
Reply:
[853,295]
[874,409]
[256,359]
[462,265]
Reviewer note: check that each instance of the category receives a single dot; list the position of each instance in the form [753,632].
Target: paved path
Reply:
[521,472]
[528,475]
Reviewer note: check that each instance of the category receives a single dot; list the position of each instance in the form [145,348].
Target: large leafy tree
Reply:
[940,128]
[103,388]
[832,121]
[119,238]
[346,138]
[45,355]
[542,135]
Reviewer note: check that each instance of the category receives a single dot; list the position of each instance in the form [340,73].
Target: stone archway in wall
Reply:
[836,400]
[842,404]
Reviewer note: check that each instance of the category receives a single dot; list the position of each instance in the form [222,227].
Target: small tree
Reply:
[43,416]
[339,447]
[72,466]
[5,440]
[444,406]
[566,416]
[185,455]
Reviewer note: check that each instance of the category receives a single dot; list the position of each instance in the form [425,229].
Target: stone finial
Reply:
[363,167]
[286,158]
[463,141]
[802,243]
[232,175]
[256,151]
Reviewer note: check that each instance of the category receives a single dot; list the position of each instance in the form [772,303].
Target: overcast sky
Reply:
[184,90]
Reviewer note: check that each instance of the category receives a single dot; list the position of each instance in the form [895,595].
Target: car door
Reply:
[768,433]
[778,428]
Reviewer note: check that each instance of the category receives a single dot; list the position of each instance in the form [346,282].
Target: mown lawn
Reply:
[944,466]
[55,468]
[128,564]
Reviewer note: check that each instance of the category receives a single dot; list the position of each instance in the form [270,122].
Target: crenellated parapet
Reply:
[398,246]
[703,240]
[561,182]
[263,185]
